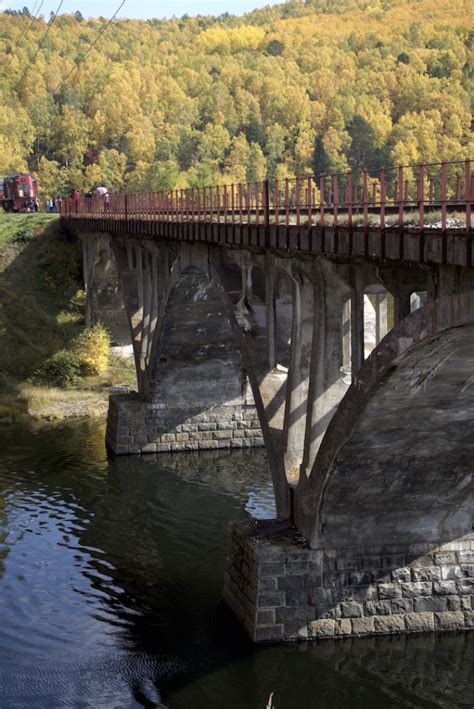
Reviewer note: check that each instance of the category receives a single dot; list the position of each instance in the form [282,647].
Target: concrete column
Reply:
[346,336]
[89,253]
[380,316]
[357,340]
[402,304]
[271,312]
[327,385]
[298,377]
[144,276]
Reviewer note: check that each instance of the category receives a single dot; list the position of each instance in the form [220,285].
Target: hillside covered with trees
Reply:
[289,89]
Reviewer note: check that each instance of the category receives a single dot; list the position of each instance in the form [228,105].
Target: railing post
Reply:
[365,197]
[335,192]
[309,205]
[421,196]
[383,198]
[443,196]
[298,197]
[257,210]
[401,216]
[287,201]
[276,203]
[421,210]
[247,197]
[468,196]
[321,200]
[266,213]
[350,193]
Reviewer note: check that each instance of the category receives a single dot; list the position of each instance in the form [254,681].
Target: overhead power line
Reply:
[83,56]
[25,33]
[50,24]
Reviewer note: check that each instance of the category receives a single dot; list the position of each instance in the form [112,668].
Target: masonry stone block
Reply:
[465,586]
[469,619]
[419,622]
[351,609]
[389,624]
[363,626]
[426,573]
[321,628]
[292,604]
[429,604]
[418,588]
[389,590]
[401,605]
[342,626]
[449,620]
[444,587]
[378,608]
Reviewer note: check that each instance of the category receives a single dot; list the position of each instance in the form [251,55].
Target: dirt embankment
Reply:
[41,312]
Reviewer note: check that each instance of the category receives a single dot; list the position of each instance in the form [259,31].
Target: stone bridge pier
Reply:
[357,375]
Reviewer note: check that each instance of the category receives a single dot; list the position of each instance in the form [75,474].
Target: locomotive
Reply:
[19,193]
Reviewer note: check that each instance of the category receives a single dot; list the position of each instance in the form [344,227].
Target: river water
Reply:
[110,592]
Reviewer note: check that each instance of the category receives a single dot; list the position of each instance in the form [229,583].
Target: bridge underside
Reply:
[370,458]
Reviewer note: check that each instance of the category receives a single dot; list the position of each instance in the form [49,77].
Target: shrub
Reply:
[89,355]
[63,369]
[92,346]
[24,234]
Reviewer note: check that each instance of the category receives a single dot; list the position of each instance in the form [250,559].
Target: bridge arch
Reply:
[395,465]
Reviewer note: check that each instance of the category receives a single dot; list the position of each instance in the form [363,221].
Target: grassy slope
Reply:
[41,310]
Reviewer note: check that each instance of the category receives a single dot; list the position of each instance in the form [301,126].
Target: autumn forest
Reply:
[291,89]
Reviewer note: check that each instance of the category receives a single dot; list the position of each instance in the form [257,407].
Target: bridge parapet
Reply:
[418,213]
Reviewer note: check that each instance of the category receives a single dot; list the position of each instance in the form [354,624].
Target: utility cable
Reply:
[50,24]
[25,33]
[83,56]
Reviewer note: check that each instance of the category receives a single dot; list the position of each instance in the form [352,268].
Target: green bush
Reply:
[89,355]
[24,234]
[63,369]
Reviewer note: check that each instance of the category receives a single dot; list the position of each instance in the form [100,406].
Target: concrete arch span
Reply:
[396,465]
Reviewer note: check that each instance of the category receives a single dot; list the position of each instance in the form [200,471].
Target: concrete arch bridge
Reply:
[347,350]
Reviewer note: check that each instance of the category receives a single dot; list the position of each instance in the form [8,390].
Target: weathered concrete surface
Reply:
[281,589]
[104,297]
[406,473]
[412,404]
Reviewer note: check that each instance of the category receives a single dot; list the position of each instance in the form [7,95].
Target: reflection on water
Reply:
[110,585]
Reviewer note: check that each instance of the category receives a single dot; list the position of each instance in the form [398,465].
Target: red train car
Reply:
[19,193]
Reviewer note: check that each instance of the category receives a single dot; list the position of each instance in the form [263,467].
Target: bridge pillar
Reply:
[193,392]
[104,301]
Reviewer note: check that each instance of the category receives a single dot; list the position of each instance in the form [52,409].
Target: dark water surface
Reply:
[110,586]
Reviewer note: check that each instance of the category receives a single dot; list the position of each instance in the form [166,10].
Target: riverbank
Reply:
[41,313]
